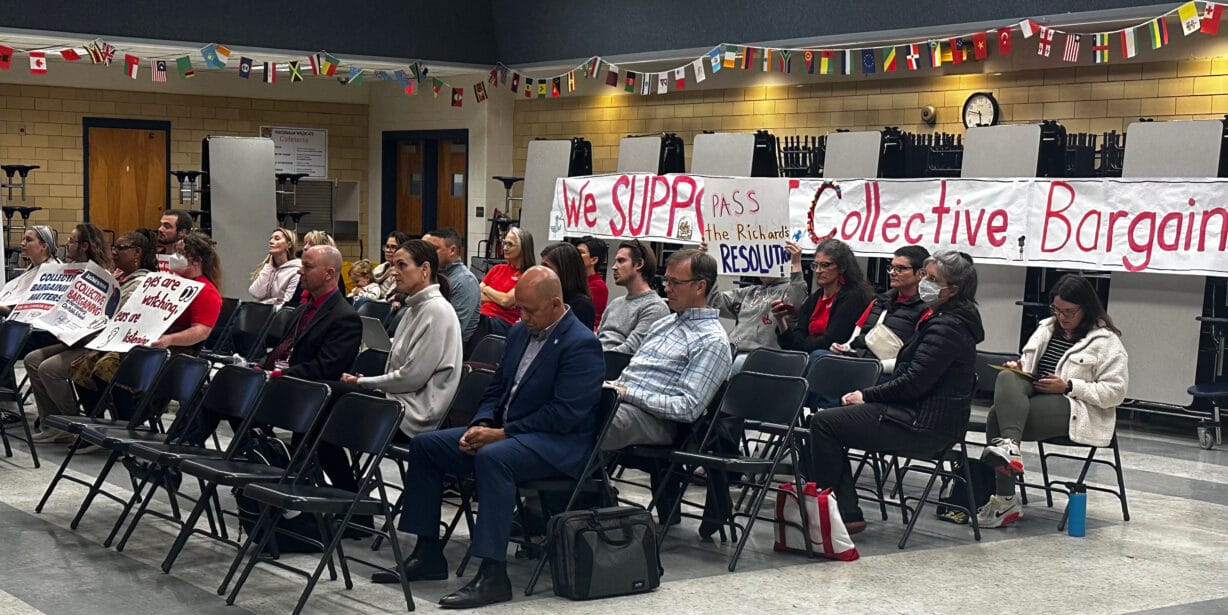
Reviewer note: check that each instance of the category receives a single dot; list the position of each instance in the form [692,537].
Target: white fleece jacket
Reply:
[1098,368]
[275,285]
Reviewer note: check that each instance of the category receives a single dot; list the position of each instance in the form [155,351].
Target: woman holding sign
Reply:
[38,246]
[1068,381]
[50,368]
[829,315]
[499,286]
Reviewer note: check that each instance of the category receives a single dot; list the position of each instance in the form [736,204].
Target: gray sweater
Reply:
[751,306]
[424,365]
[627,319]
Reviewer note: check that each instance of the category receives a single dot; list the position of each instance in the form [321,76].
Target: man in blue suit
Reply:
[536,421]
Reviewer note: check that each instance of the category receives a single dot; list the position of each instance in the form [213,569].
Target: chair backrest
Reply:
[987,376]
[776,361]
[279,326]
[375,309]
[247,333]
[393,321]
[615,363]
[489,351]
[468,397]
[218,339]
[133,379]
[831,376]
[764,397]
[362,423]
[233,392]
[13,336]
[370,362]
[181,381]
[291,404]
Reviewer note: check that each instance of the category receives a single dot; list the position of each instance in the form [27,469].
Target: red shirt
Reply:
[818,318]
[600,293]
[203,310]
[503,278]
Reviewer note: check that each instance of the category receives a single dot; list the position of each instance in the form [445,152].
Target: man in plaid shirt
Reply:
[681,364]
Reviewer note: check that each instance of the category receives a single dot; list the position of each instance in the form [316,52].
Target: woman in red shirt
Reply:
[829,315]
[200,263]
[499,286]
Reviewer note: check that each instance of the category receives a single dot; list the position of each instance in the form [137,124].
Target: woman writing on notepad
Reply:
[1069,379]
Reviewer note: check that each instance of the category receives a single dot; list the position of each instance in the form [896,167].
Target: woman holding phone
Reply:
[829,315]
[1068,381]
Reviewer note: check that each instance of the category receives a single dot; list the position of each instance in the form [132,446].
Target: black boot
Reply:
[425,563]
[489,586]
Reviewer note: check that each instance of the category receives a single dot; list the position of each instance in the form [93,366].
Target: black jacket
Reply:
[327,347]
[901,319]
[935,372]
[845,310]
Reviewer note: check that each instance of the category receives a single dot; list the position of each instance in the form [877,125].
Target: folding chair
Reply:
[286,403]
[181,382]
[938,465]
[615,363]
[393,321]
[745,399]
[488,354]
[232,395]
[137,373]
[251,320]
[277,330]
[375,309]
[1055,485]
[364,426]
[218,341]
[13,336]
[370,362]
[777,362]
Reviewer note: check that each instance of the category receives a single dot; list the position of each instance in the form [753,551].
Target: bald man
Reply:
[535,421]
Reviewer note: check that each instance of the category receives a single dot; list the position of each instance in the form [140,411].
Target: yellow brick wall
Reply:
[1092,99]
[52,118]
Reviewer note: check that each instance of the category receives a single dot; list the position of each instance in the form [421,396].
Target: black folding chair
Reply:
[745,399]
[370,362]
[232,395]
[375,309]
[1051,486]
[393,321]
[777,362]
[949,464]
[218,341]
[278,329]
[181,382]
[615,363]
[488,354]
[286,403]
[364,426]
[136,375]
[247,333]
[13,336]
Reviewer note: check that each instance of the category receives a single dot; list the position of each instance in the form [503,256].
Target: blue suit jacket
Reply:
[552,412]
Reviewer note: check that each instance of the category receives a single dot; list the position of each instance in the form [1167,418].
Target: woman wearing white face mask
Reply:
[1078,371]
[922,410]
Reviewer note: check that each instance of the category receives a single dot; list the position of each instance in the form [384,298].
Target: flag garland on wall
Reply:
[868,60]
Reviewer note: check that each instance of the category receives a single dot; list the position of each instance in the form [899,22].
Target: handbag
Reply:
[603,552]
[828,537]
[882,341]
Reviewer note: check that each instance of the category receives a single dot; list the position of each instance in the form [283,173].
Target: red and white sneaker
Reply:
[1000,511]
[1003,454]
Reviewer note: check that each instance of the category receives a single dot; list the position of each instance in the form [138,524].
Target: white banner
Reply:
[85,308]
[148,313]
[1157,225]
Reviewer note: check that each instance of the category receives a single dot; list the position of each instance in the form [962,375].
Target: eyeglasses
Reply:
[391,246]
[897,269]
[824,265]
[120,247]
[676,282]
[1070,313]
[509,244]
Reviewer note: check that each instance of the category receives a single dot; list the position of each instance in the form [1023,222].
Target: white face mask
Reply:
[929,291]
[177,262]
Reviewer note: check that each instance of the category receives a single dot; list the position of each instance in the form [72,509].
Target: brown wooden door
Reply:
[453,180]
[409,187]
[128,177]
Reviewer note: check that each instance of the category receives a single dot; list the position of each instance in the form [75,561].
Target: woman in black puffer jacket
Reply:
[925,407]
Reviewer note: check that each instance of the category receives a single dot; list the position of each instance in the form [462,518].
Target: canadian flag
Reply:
[38,62]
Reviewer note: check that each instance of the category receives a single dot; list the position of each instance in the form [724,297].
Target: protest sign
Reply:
[46,289]
[627,206]
[85,308]
[148,313]
[745,233]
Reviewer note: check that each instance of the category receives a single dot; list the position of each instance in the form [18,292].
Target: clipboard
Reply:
[1019,372]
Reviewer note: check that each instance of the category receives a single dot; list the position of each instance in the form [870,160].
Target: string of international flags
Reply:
[932,53]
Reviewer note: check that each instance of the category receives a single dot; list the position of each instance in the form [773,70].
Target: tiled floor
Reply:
[1170,558]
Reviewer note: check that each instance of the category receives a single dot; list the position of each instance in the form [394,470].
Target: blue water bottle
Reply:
[1076,510]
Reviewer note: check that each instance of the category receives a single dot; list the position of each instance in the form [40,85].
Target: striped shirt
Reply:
[681,364]
[1054,351]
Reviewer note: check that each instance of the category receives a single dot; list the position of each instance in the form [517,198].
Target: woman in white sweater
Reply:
[277,277]
[1076,375]
[424,365]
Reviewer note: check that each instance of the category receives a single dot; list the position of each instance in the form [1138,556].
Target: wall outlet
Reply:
[479,212]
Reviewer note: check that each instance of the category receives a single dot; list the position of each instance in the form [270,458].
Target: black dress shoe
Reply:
[489,586]
[417,568]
